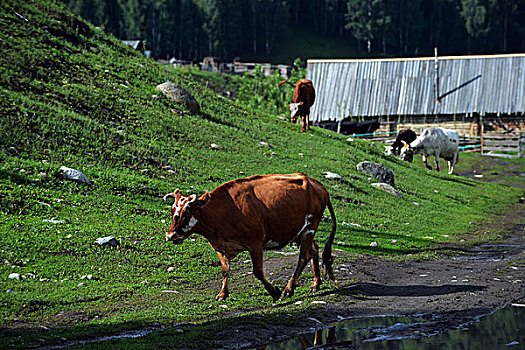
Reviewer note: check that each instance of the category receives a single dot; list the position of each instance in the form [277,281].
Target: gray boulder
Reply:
[177,94]
[377,171]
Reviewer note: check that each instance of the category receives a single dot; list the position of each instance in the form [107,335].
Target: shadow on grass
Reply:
[457,178]
[221,122]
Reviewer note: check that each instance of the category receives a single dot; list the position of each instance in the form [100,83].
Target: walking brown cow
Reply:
[257,213]
[303,99]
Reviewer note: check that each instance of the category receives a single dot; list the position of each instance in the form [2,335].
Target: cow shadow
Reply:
[215,120]
[458,179]
[369,290]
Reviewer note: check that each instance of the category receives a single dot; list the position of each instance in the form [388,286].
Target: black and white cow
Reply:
[437,142]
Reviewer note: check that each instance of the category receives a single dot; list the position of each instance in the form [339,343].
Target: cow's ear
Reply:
[204,199]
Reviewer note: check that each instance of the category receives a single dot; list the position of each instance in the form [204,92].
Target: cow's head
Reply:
[407,152]
[294,108]
[183,220]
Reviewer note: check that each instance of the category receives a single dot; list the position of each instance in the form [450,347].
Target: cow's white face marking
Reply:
[180,206]
[191,224]
[270,244]
[294,108]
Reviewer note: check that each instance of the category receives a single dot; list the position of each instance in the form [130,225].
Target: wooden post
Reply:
[481,130]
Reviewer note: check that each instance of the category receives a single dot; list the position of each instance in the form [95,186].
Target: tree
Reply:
[132,19]
[366,19]
[474,14]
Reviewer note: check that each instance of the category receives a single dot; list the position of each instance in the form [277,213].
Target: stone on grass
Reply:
[387,188]
[73,175]
[15,276]
[177,94]
[333,176]
[377,171]
[374,244]
[110,241]
[54,221]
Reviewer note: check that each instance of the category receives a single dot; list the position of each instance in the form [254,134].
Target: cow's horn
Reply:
[193,197]
[172,194]
[168,195]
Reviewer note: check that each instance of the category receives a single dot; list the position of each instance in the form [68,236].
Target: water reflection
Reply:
[503,329]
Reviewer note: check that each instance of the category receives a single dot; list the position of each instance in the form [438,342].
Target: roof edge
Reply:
[466,57]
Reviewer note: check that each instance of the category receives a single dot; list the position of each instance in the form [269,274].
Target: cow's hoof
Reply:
[221,296]
[288,293]
[314,289]
[276,295]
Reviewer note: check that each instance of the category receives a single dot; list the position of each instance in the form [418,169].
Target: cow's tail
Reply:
[327,252]
[285,82]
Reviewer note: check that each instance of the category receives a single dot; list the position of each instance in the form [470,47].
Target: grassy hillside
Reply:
[72,96]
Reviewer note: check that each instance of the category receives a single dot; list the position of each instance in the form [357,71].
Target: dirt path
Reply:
[450,291]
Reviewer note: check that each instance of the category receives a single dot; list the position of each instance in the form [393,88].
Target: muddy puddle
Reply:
[492,252]
[502,329]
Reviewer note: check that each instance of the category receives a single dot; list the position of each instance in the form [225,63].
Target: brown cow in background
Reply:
[254,214]
[303,99]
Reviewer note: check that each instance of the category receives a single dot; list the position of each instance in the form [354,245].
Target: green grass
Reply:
[70,95]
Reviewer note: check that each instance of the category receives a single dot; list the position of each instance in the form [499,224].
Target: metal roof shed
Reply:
[373,88]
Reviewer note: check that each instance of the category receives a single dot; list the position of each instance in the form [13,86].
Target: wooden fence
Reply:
[510,146]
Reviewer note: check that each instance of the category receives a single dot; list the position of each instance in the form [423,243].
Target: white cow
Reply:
[438,142]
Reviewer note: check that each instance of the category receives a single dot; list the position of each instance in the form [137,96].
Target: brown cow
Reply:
[257,213]
[303,99]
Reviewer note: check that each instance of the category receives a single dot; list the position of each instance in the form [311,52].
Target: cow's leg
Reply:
[304,255]
[426,163]
[315,267]
[303,122]
[308,121]
[437,161]
[452,163]
[225,263]
[257,261]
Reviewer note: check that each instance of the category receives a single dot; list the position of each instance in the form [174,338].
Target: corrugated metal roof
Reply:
[406,86]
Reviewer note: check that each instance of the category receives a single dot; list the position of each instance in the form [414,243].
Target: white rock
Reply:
[386,187]
[54,221]
[334,176]
[110,240]
[374,244]
[74,175]
[15,276]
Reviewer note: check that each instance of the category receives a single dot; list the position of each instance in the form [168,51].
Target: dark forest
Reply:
[192,29]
